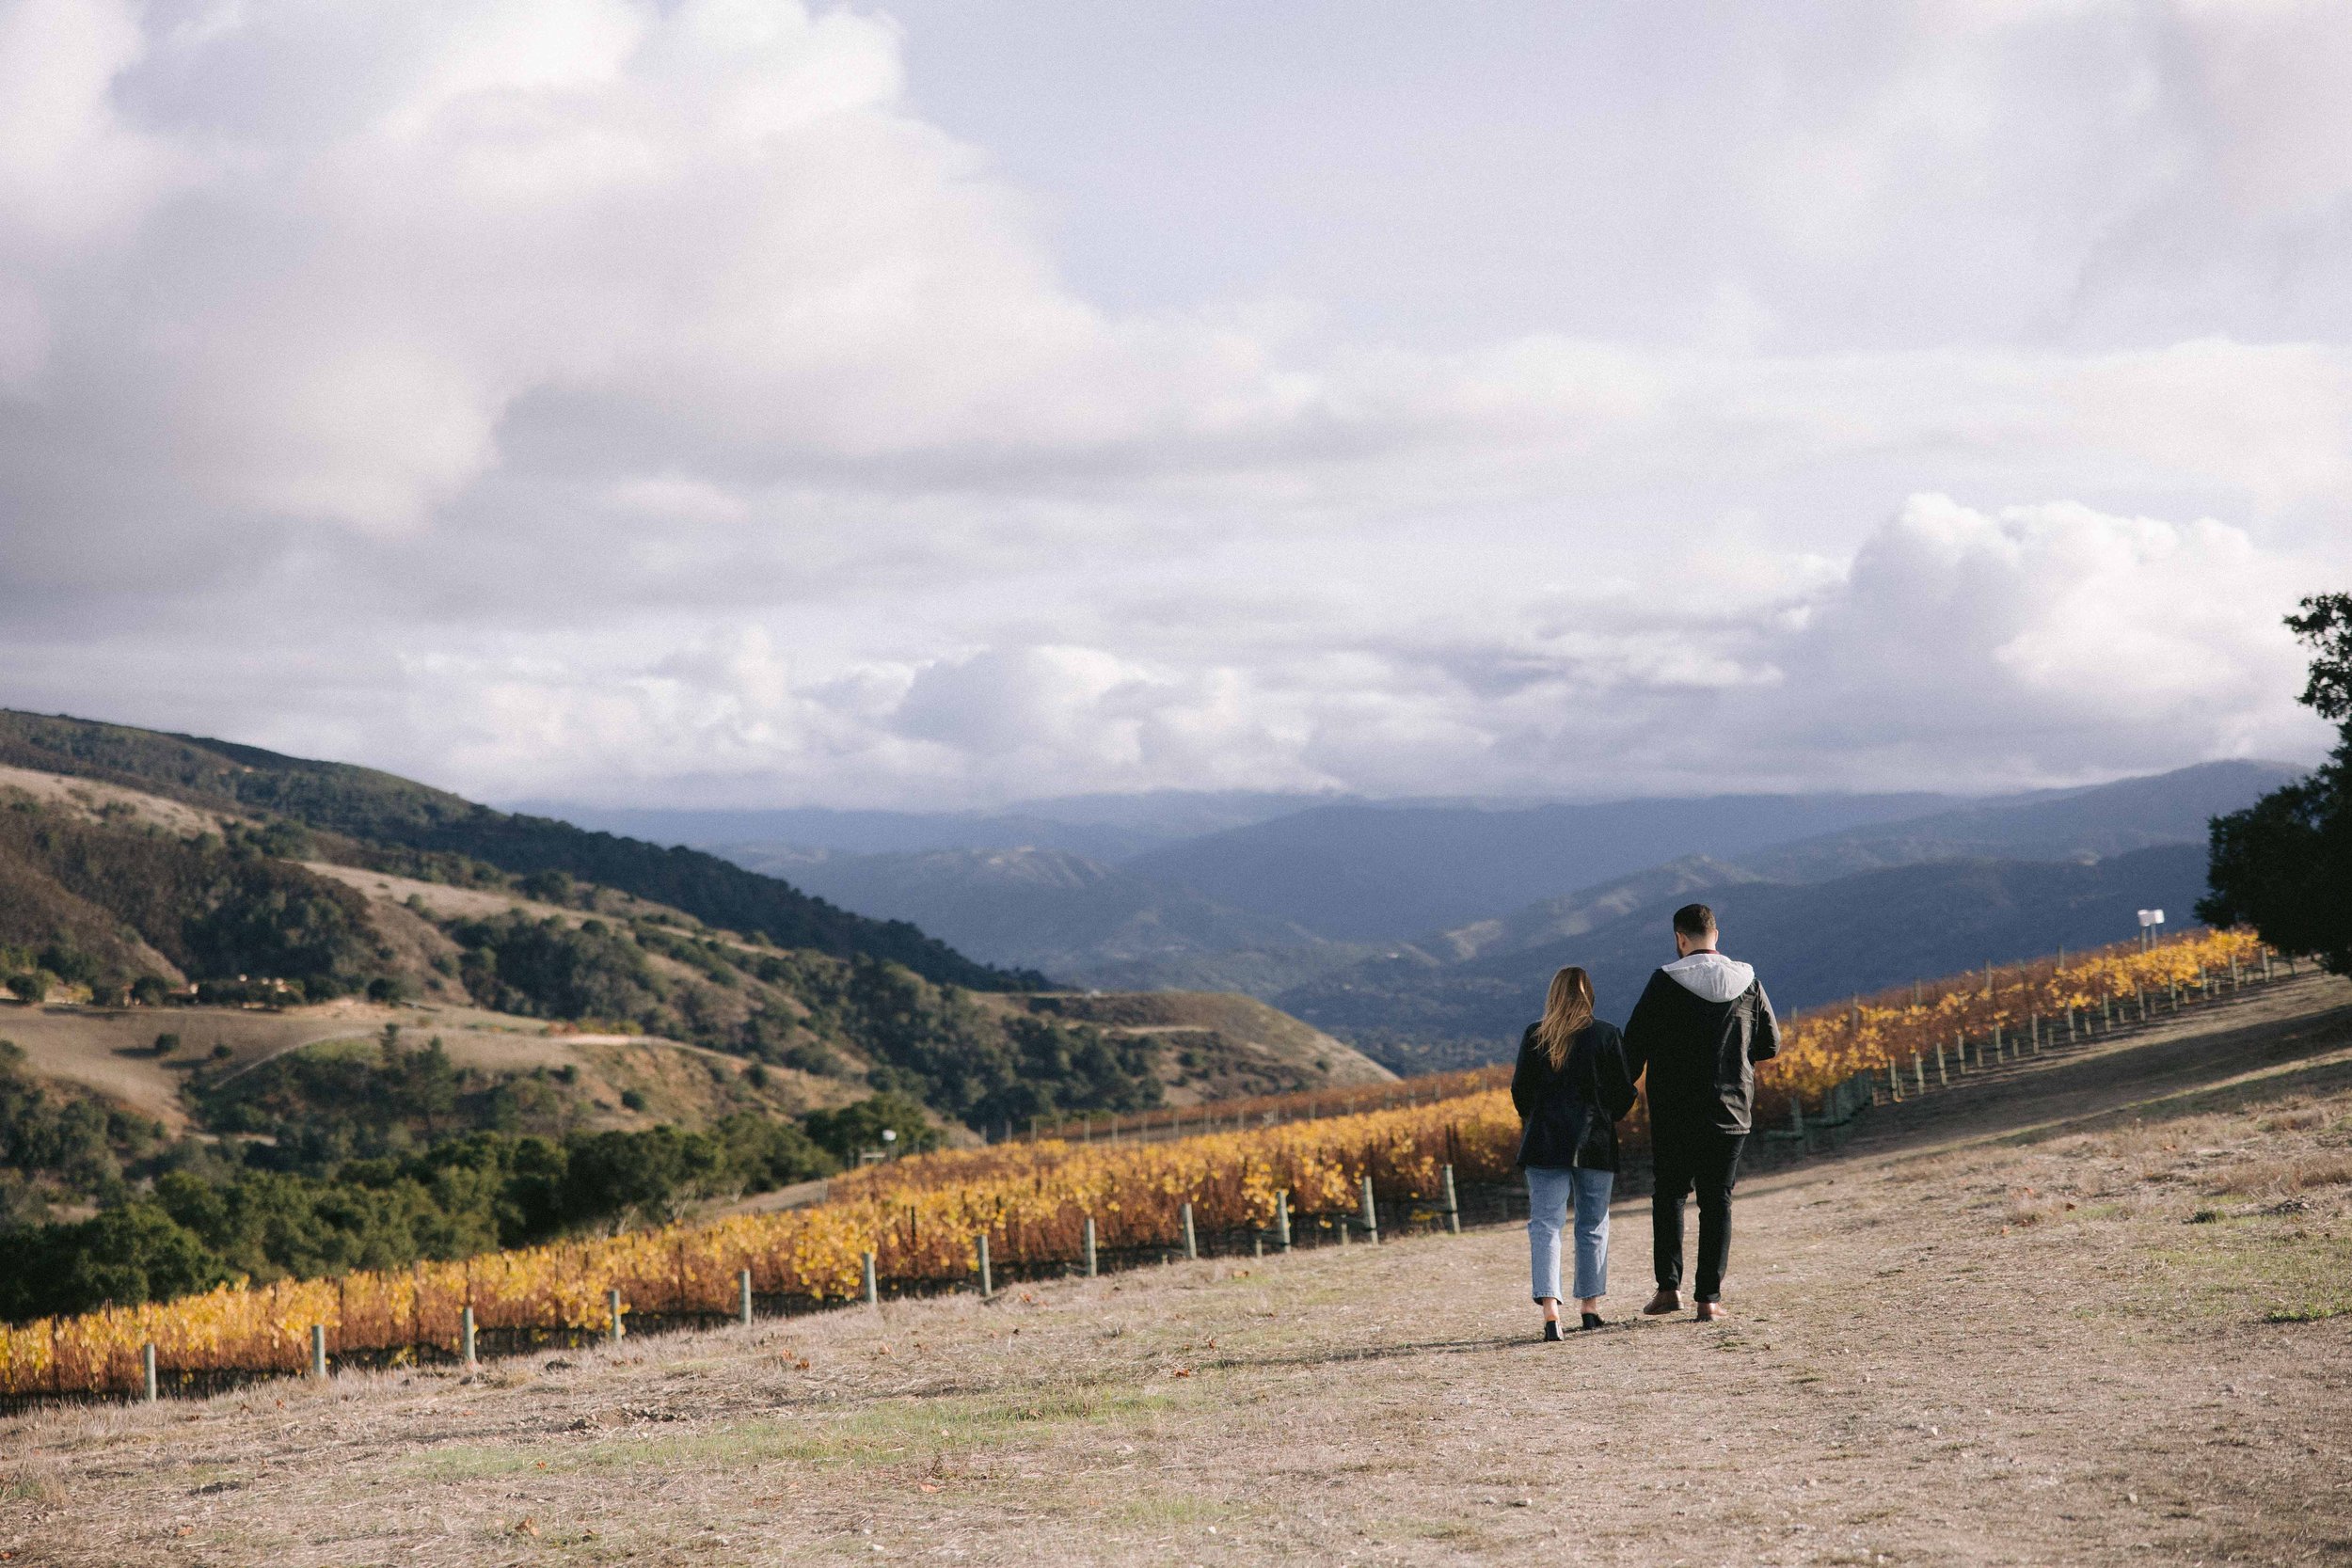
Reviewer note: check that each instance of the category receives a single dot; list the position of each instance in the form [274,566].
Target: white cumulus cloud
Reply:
[647,401]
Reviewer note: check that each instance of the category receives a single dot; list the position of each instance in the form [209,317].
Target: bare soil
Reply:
[2090,1310]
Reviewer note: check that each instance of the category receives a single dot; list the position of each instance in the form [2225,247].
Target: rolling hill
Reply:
[121,894]
[407,824]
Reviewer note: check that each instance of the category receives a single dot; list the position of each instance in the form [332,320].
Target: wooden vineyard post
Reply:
[613,1315]
[988,1283]
[1192,1242]
[1919,1070]
[873,1286]
[464,1338]
[1452,1203]
[1090,1261]
[147,1366]
[318,1351]
[1960,1050]
[1796,1123]
[1283,1219]
[1893,1082]
[2070,1024]
[1943,1075]
[1372,1214]
[2033,1034]
[744,1296]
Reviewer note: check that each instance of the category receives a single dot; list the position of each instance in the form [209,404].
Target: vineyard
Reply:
[1271,1109]
[1038,1208]
[1904,1037]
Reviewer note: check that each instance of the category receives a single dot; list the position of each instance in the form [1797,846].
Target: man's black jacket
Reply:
[1570,1112]
[1701,1026]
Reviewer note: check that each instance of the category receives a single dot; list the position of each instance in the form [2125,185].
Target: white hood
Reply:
[1712,977]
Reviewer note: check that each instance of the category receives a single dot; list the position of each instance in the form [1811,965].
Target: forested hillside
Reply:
[400,824]
[609,1059]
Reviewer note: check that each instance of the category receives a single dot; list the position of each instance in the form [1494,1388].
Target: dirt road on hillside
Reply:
[2092,1311]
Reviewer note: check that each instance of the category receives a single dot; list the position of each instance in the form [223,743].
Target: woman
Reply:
[1571,1086]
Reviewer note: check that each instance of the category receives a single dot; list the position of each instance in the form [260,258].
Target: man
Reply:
[1701,1026]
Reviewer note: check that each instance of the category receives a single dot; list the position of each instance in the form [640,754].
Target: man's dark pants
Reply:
[1709,1161]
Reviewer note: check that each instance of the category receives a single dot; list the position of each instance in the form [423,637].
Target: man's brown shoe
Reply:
[1664,1303]
[1711,1311]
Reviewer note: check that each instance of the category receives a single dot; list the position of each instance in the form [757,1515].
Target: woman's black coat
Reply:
[1570,1112]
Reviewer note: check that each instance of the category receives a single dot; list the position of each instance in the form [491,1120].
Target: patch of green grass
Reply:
[2311,1314]
[2250,1265]
[1171,1511]
[887,1433]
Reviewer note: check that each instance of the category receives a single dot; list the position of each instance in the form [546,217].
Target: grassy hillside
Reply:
[1217,1046]
[408,826]
[125,896]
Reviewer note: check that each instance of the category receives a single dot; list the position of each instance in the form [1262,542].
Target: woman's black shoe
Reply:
[1551,1329]
[1592,1320]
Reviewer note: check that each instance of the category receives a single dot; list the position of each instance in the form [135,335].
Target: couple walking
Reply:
[1701,1026]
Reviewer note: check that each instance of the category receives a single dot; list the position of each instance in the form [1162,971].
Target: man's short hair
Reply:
[1694,920]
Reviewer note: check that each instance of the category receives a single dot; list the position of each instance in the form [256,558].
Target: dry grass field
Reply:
[112,1050]
[2092,1310]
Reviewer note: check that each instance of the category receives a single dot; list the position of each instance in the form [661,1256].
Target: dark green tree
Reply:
[2283,865]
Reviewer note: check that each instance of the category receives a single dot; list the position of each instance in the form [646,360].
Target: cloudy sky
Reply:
[936,404]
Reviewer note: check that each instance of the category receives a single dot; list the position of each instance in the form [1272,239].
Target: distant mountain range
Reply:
[1361,872]
[1812,942]
[1421,928]
[1105,827]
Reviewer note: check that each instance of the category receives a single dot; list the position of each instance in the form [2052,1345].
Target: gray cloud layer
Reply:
[575,396]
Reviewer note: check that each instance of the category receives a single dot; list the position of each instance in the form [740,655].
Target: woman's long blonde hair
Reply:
[1566,1011]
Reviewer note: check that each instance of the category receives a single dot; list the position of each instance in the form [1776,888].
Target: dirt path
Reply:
[2091,1312]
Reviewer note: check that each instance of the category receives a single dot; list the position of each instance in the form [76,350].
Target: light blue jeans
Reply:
[1550,1193]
